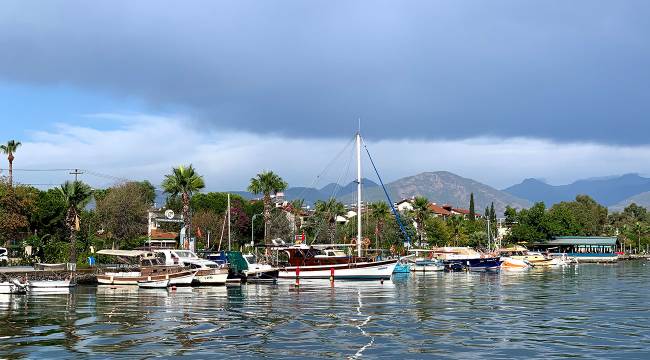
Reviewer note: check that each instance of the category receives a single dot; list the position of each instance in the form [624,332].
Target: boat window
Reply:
[3,251]
[251,259]
[185,254]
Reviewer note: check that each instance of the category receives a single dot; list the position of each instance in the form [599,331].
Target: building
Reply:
[583,248]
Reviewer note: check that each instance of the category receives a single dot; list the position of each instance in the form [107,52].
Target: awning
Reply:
[126,253]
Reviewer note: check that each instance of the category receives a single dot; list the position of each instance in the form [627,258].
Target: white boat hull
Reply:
[211,279]
[11,288]
[182,280]
[47,285]
[357,271]
[426,268]
[160,284]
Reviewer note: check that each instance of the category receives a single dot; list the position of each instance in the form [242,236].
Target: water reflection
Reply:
[585,311]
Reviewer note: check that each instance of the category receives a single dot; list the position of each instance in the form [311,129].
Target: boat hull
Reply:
[45,285]
[211,277]
[160,284]
[476,264]
[180,278]
[380,270]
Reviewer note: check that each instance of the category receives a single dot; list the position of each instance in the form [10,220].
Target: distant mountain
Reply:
[444,187]
[642,199]
[608,191]
[311,195]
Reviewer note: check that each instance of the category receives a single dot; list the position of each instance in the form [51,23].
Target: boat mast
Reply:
[229,222]
[359,193]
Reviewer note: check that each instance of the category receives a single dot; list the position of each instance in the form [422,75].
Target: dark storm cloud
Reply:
[410,69]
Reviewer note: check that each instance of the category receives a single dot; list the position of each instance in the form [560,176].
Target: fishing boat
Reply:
[325,262]
[139,265]
[208,272]
[533,258]
[153,284]
[424,261]
[47,285]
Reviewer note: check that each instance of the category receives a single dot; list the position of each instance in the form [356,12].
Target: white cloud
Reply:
[146,147]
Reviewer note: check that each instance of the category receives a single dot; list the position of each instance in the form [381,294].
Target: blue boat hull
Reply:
[480,264]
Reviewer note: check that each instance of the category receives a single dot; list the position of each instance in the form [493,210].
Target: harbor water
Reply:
[588,311]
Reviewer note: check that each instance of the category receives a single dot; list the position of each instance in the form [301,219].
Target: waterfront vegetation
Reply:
[69,222]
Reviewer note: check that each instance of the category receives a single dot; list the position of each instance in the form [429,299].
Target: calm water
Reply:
[588,311]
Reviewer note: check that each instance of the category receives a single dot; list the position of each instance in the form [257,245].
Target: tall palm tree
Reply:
[330,210]
[456,225]
[184,181]
[422,212]
[76,196]
[379,212]
[10,149]
[296,210]
[267,183]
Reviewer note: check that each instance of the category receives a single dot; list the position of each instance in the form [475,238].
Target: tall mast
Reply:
[228,221]
[359,193]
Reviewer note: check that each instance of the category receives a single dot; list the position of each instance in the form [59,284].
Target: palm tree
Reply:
[76,196]
[330,210]
[422,211]
[296,210]
[9,149]
[183,181]
[379,212]
[456,225]
[267,183]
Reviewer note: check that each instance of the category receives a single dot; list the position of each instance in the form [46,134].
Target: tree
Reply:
[422,212]
[379,212]
[207,221]
[10,149]
[329,211]
[76,196]
[296,211]
[184,181]
[455,224]
[267,183]
[510,215]
[472,210]
[16,205]
[438,232]
[123,212]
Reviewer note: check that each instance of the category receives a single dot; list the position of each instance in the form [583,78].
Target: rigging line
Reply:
[390,202]
[335,191]
[326,168]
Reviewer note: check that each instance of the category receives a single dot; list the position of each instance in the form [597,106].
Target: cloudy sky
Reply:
[496,90]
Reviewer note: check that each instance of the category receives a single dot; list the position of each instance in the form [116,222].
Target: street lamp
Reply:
[252,229]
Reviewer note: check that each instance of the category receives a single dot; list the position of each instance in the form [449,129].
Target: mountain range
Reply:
[441,187]
[615,192]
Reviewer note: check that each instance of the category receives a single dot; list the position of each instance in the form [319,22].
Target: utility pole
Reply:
[76,173]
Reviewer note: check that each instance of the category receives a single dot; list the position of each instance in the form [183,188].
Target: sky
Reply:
[495,91]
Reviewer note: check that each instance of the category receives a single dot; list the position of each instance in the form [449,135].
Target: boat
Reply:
[257,272]
[139,265]
[48,285]
[533,258]
[314,262]
[13,287]
[153,284]
[514,264]
[208,272]
[402,268]
[329,262]
[426,263]
[466,258]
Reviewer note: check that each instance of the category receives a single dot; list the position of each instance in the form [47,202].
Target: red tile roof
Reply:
[439,210]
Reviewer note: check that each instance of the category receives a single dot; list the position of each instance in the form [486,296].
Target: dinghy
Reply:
[153,284]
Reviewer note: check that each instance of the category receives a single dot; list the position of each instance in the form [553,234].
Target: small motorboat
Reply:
[49,285]
[153,284]
[12,287]
[401,268]
[514,264]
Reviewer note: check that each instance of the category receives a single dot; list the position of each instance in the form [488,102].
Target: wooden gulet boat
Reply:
[311,262]
[150,268]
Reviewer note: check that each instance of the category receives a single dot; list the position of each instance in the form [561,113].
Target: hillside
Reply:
[445,187]
[608,191]
[642,199]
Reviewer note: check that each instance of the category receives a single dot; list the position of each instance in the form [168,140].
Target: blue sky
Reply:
[497,91]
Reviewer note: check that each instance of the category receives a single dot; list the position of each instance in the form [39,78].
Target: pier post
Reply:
[332,275]
[297,276]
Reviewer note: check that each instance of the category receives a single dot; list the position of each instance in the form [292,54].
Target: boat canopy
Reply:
[513,249]
[126,253]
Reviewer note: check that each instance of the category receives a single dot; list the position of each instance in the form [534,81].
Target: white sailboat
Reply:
[312,262]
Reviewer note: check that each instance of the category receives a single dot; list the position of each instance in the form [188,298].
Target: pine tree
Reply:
[472,211]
